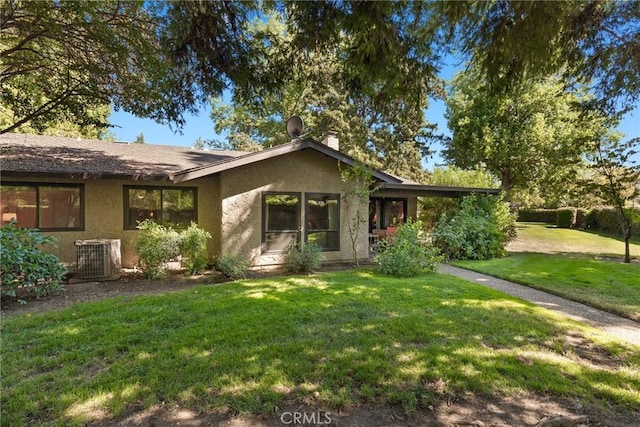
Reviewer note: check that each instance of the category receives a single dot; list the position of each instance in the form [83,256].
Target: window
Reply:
[385,212]
[323,221]
[281,221]
[49,207]
[169,206]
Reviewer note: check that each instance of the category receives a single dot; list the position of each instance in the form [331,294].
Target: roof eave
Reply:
[420,190]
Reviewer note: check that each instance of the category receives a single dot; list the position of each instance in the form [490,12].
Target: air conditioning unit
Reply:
[98,259]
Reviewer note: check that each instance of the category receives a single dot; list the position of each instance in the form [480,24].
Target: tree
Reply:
[64,60]
[533,134]
[594,42]
[358,180]
[139,139]
[386,135]
[617,179]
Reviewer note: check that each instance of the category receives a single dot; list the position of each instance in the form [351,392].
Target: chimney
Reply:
[331,140]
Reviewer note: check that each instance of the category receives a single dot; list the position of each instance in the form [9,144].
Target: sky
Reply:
[128,127]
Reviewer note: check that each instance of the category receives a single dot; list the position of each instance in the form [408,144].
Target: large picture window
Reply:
[281,221]
[168,206]
[323,220]
[49,207]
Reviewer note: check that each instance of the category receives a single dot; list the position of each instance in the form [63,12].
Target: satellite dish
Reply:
[295,126]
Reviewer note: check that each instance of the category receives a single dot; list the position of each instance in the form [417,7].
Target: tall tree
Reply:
[533,134]
[617,179]
[390,135]
[596,42]
[65,59]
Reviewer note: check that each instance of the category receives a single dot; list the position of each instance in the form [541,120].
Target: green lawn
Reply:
[542,238]
[611,286]
[333,339]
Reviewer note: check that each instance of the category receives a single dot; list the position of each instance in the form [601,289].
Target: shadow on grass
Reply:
[331,340]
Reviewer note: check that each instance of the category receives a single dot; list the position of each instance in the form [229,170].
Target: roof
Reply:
[421,190]
[280,150]
[53,156]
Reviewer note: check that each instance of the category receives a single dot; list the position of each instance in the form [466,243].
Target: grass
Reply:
[335,339]
[608,285]
[539,238]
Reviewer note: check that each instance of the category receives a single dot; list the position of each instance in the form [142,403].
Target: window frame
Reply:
[333,196]
[36,186]
[381,208]
[161,188]
[265,230]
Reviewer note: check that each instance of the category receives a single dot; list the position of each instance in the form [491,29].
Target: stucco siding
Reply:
[104,215]
[241,191]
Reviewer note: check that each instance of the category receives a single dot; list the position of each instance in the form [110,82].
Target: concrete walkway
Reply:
[620,327]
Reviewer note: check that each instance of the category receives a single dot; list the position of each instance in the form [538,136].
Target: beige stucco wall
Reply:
[104,215]
[229,207]
[241,192]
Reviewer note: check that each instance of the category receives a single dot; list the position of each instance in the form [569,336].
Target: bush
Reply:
[479,230]
[24,266]
[407,254]
[548,216]
[156,246]
[193,247]
[606,220]
[565,217]
[303,258]
[232,266]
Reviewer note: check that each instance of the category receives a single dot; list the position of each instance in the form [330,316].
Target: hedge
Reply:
[548,216]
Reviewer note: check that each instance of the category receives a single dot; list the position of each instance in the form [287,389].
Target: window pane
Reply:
[18,203]
[323,220]
[60,207]
[281,221]
[282,212]
[178,207]
[144,203]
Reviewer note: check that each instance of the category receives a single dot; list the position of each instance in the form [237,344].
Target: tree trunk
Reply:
[506,184]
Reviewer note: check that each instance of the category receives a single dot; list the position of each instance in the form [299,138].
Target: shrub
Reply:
[303,258]
[548,216]
[565,217]
[232,266]
[156,246]
[479,230]
[407,254]
[193,248]
[24,266]
[606,220]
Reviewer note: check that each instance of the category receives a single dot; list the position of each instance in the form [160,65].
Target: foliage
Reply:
[566,217]
[49,72]
[232,266]
[25,266]
[607,220]
[531,137]
[548,216]
[408,253]
[479,230]
[617,180]
[193,248]
[593,42]
[432,208]
[156,245]
[357,180]
[303,258]
[391,135]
